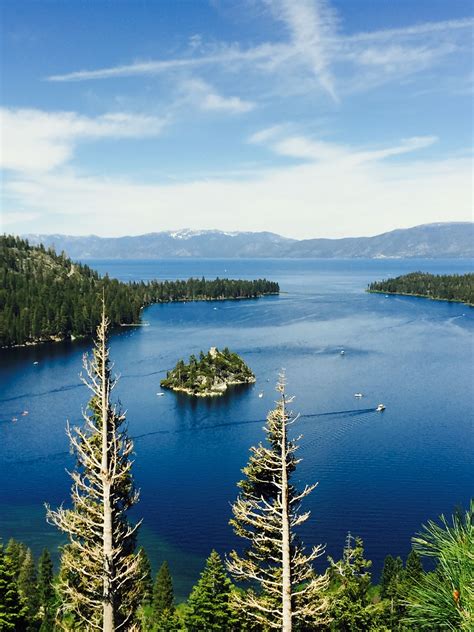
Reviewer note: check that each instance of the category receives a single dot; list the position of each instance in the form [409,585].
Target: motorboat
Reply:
[380,408]
[160,394]
[342,352]
[260,395]
[359,395]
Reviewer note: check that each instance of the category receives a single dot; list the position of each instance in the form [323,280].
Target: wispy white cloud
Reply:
[311,150]
[312,26]
[207,98]
[334,191]
[315,49]
[35,140]
[426,28]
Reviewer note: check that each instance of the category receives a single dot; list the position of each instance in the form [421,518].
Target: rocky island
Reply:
[209,376]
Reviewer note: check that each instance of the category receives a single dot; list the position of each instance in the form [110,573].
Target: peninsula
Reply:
[47,297]
[209,376]
[442,287]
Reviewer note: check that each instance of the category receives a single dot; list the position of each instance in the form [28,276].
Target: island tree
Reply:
[266,513]
[100,577]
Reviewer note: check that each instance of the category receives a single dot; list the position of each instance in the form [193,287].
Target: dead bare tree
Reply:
[100,572]
[266,513]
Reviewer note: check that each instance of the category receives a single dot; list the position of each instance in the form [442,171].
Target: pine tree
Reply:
[350,604]
[413,568]
[146,582]
[46,592]
[99,579]
[209,606]
[164,614]
[28,587]
[266,513]
[388,572]
[163,594]
[16,553]
[444,599]
[12,610]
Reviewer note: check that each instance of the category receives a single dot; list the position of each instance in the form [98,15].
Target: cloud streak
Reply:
[315,49]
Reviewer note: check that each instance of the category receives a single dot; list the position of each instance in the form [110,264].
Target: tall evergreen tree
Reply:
[164,614]
[350,604]
[414,567]
[28,588]
[209,605]
[146,581]
[46,592]
[99,579]
[388,573]
[266,514]
[163,594]
[12,610]
[16,553]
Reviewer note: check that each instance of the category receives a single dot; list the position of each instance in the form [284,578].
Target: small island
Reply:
[441,287]
[209,376]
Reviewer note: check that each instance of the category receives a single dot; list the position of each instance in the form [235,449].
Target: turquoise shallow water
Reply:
[380,475]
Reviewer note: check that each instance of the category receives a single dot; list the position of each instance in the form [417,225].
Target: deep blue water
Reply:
[380,475]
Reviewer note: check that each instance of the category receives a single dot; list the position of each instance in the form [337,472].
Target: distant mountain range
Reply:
[443,240]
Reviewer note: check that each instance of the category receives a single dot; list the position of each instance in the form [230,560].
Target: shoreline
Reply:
[431,298]
[73,337]
[213,393]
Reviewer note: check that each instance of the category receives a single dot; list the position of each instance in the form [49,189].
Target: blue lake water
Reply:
[381,475]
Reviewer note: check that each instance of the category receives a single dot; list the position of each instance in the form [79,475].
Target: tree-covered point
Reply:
[46,296]
[209,375]
[445,287]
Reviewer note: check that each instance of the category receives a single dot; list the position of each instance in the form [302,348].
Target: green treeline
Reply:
[45,296]
[30,600]
[446,287]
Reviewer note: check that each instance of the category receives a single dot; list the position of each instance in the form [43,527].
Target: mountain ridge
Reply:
[435,240]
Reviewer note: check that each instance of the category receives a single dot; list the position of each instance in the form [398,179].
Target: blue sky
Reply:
[304,117]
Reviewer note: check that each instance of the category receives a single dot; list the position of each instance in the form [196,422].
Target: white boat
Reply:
[160,394]
[380,408]
[342,352]
[260,395]
[358,395]
[36,362]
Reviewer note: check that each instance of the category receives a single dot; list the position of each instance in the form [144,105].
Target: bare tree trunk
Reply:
[108,623]
[286,567]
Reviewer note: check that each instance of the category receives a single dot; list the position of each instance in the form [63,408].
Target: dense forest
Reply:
[46,296]
[355,603]
[446,287]
[210,374]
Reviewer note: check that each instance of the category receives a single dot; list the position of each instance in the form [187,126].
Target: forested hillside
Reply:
[446,287]
[46,296]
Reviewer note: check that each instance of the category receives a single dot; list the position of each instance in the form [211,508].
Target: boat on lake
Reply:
[359,395]
[380,408]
